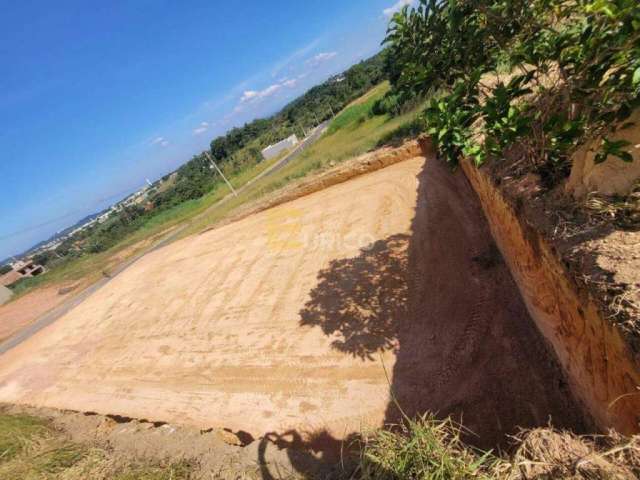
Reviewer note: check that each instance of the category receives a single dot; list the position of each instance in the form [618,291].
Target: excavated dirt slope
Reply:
[288,318]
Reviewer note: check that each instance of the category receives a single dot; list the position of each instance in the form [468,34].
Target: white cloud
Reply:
[204,126]
[251,95]
[286,63]
[396,7]
[163,142]
[270,90]
[321,57]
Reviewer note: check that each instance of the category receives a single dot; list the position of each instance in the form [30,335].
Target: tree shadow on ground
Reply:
[361,299]
[444,302]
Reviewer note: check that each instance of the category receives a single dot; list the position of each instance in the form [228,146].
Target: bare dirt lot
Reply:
[287,319]
[23,311]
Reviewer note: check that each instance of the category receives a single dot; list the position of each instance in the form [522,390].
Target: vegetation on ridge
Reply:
[426,448]
[574,75]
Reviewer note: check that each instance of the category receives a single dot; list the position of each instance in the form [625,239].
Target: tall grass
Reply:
[425,448]
[16,432]
[31,449]
[180,470]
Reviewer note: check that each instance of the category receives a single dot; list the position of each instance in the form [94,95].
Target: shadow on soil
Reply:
[445,302]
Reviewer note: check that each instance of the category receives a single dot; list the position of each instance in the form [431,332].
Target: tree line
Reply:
[234,152]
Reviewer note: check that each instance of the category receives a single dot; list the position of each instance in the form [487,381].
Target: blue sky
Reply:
[97,96]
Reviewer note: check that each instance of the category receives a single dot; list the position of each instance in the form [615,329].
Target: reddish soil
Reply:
[25,310]
[280,323]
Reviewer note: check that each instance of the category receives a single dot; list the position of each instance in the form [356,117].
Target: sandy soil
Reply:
[24,311]
[288,318]
[20,313]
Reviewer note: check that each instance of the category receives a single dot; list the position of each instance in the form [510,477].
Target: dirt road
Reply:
[284,320]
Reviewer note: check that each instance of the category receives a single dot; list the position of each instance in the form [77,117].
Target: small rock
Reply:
[229,438]
[106,426]
[168,428]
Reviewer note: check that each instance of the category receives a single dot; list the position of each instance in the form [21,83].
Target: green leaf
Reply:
[616,144]
[600,157]
[636,77]
[624,156]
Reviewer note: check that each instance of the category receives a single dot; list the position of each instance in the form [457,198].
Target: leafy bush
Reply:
[450,117]
[389,104]
[575,67]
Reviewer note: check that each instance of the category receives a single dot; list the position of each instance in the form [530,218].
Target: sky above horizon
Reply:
[97,97]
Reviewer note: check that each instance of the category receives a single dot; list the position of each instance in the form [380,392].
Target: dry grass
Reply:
[546,453]
[432,449]
[426,448]
[623,211]
[31,449]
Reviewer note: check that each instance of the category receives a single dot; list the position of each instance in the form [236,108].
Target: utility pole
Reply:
[220,172]
[303,132]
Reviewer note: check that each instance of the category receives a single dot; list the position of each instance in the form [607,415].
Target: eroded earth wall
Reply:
[599,365]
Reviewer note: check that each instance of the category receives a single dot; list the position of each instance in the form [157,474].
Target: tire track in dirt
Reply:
[462,346]
[475,327]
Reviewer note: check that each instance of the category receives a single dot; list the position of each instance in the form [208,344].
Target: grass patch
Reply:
[426,449]
[57,460]
[432,449]
[358,112]
[16,433]
[410,129]
[31,450]
[173,471]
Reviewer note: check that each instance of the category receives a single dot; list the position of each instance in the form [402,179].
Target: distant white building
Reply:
[274,150]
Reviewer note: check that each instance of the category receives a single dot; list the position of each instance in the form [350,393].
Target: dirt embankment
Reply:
[553,275]
[211,453]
